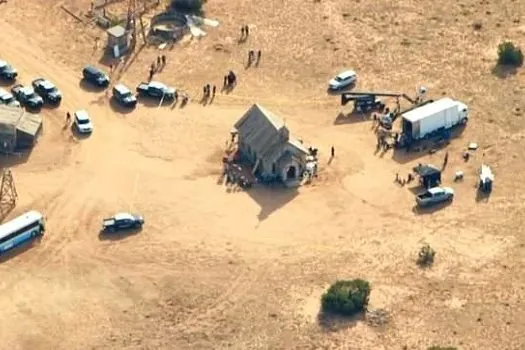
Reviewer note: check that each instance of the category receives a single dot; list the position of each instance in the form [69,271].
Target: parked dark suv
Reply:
[95,76]
[7,72]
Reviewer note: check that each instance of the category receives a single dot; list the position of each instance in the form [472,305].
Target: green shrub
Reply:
[426,256]
[188,6]
[346,297]
[509,54]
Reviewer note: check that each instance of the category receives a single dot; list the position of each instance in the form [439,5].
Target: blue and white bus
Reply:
[21,229]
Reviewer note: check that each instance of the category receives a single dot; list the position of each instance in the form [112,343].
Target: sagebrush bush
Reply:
[426,256]
[346,297]
[188,6]
[509,54]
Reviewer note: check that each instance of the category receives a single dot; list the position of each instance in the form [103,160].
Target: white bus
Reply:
[21,229]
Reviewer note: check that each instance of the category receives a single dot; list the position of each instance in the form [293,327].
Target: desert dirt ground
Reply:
[216,268]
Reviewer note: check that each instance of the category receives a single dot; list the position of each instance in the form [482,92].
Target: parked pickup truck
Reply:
[434,196]
[156,90]
[122,221]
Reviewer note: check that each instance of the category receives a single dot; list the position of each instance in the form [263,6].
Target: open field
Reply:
[219,269]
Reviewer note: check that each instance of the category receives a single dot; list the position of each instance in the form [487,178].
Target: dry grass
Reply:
[239,270]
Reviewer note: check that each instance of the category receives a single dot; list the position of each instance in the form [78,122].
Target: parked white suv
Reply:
[82,122]
[342,80]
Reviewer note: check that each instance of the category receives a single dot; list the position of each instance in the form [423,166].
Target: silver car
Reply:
[343,80]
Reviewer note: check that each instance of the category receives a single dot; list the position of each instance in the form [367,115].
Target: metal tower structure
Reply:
[8,194]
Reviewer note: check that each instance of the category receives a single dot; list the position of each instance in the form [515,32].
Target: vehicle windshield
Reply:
[126,94]
[82,121]
[50,88]
[338,78]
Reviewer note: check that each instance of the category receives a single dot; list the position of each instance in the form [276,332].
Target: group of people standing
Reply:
[155,68]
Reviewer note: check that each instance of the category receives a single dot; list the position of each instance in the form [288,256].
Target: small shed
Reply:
[9,119]
[27,130]
[429,175]
[118,40]
[265,142]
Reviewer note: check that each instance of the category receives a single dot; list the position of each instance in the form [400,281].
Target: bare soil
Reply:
[216,268]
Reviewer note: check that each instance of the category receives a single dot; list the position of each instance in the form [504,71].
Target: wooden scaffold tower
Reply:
[8,194]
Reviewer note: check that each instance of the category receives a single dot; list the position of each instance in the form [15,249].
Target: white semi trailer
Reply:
[432,118]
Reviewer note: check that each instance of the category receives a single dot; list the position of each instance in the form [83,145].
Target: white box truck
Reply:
[433,118]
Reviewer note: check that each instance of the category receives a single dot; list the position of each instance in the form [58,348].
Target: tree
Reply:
[346,297]
[509,54]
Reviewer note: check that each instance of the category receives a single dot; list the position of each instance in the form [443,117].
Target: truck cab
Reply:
[463,112]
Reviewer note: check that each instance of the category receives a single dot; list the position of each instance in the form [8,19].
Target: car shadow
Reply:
[117,236]
[6,84]
[338,92]
[76,134]
[88,87]
[151,102]
[51,106]
[118,108]
[431,209]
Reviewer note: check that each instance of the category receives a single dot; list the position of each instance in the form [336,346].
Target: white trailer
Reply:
[434,117]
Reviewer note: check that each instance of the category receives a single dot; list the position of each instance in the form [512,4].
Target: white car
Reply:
[8,99]
[342,80]
[82,122]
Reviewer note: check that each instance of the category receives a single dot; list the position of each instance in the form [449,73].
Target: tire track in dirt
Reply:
[237,290]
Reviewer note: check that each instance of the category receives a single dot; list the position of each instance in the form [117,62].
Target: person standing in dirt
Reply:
[333,152]
[251,55]
[445,161]
[68,118]
[259,53]
[163,59]
[247,30]
[158,61]
[208,90]
[242,32]
[214,90]
[151,72]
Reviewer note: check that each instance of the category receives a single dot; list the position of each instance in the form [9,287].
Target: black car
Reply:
[157,90]
[124,96]
[27,96]
[122,221]
[95,76]
[47,90]
[7,72]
